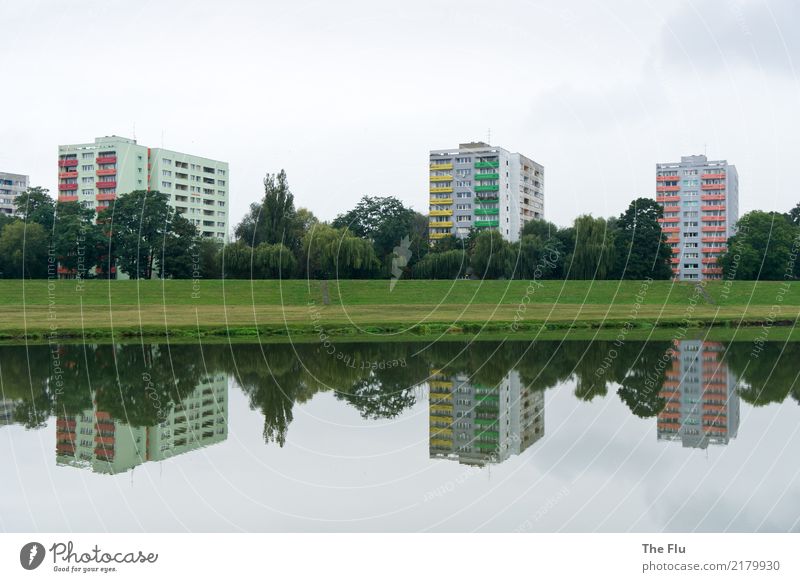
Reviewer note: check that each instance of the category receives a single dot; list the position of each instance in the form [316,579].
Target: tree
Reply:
[180,253]
[539,258]
[794,215]
[138,224]
[274,220]
[593,249]
[491,258]
[329,252]
[640,247]
[77,240]
[762,248]
[442,265]
[24,251]
[273,262]
[35,206]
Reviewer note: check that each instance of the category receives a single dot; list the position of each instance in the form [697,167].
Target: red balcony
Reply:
[63,423]
[670,415]
[706,197]
[102,415]
[710,260]
[668,198]
[107,172]
[670,394]
[104,440]
[675,251]
[108,184]
[99,209]
[671,229]
[106,426]
[107,160]
[675,260]
[68,163]
[673,240]
[672,209]
[714,407]
[713,176]
[713,218]
[669,219]
[68,198]
[65,448]
[713,186]
[721,207]
[106,454]
[668,188]
[713,229]
[106,197]
[667,178]
[712,271]
[717,250]
[63,175]
[67,186]
[713,239]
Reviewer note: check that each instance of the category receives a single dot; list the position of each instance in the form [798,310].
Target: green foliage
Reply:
[273,220]
[24,251]
[492,257]
[450,264]
[641,249]
[593,249]
[333,253]
[77,239]
[765,248]
[180,252]
[35,206]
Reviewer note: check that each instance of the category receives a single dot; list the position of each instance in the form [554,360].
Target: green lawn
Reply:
[105,308]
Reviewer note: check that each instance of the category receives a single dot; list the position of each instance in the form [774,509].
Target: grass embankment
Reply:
[279,308]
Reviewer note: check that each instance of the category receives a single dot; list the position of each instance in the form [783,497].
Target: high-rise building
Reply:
[483,187]
[476,424]
[11,186]
[700,199]
[702,405]
[97,441]
[94,173]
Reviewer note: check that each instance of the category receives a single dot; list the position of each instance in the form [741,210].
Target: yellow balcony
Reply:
[447,408]
[440,384]
[447,212]
[441,201]
[441,178]
[440,189]
[447,224]
[438,235]
[441,166]
[441,432]
[441,442]
[439,418]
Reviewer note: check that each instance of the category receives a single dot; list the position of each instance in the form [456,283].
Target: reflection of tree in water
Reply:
[767,376]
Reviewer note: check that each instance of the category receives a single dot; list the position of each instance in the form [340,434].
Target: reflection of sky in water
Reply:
[597,467]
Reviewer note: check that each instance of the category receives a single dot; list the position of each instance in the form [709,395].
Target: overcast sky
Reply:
[349,96]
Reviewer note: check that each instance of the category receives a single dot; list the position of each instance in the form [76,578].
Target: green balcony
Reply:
[487,176]
[487,211]
[487,200]
[488,435]
[490,188]
[486,421]
[488,398]
[487,164]
[487,446]
[480,223]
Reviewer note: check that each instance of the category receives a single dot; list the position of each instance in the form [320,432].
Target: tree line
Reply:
[140,234]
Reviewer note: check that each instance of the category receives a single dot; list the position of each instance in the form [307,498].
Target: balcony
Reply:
[438,235]
[707,197]
[67,186]
[107,172]
[673,240]
[448,166]
[709,260]
[675,260]
[671,229]
[668,198]
[667,178]
[713,229]
[676,250]
[713,176]
[68,163]
[714,239]
[100,209]
[668,188]
[68,198]
[440,189]
[481,211]
[441,213]
[487,176]
[491,188]
[106,185]
[102,197]
[487,164]
[441,224]
[481,223]
[672,208]
[480,200]
[441,178]
[107,160]
[64,175]
[716,250]
[669,219]
[441,201]
[712,187]
[720,208]
[712,218]
[712,271]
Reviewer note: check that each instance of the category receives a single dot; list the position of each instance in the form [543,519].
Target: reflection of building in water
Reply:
[702,405]
[7,411]
[95,440]
[477,424]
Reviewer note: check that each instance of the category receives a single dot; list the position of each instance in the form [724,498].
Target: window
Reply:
[165,184]
[220,182]
[87,168]
[87,192]
[166,173]
[88,180]
[87,155]
[167,161]
[462,160]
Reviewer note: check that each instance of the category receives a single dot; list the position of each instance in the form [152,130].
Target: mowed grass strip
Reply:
[36,307]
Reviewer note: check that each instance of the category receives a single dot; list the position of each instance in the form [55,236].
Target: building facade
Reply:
[702,405]
[476,424]
[479,186]
[700,199]
[11,186]
[93,174]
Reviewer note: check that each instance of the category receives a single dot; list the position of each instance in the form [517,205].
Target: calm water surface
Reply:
[448,436]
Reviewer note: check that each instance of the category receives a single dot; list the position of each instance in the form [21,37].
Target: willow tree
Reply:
[593,254]
[328,252]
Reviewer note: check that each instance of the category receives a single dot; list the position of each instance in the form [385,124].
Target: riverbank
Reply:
[298,308]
